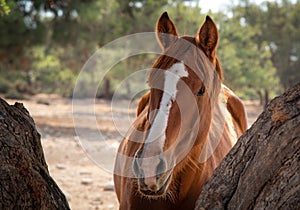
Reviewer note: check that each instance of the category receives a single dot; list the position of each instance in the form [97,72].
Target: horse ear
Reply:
[165,26]
[207,38]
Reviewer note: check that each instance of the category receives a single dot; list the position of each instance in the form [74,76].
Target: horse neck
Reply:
[220,132]
[221,136]
[199,166]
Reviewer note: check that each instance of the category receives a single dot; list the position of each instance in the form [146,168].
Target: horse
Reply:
[185,124]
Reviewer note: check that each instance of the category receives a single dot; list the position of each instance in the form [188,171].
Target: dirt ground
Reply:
[82,167]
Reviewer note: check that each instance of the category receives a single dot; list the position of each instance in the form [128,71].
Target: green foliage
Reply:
[5,86]
[21,27]
[277,25]
[247,66]
[13,82]
[4,8]
[42,49]
[14,95]
[49,76]
[22,87]
[133,66]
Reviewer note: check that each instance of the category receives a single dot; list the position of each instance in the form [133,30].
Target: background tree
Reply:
[277,24]
[43,47]
[247,65]
[4,8]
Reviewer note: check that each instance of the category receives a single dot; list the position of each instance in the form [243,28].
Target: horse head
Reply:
[184,83]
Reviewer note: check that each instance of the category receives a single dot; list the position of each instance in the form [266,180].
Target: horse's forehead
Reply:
[171,78]
[178,70]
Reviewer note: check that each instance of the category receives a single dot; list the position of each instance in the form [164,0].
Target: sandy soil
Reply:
[78,160]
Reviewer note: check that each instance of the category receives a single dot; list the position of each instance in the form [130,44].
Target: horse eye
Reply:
[201,91]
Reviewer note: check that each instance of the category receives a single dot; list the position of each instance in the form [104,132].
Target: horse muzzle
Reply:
[152,176]
[157,187]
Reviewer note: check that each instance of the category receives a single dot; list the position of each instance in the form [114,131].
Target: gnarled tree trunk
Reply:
[262,170]
[25,182]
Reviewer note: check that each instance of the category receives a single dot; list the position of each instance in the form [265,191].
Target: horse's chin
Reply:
[154,194]
[159,193]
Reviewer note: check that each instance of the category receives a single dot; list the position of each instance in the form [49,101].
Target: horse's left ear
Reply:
[207,38]
[164,27]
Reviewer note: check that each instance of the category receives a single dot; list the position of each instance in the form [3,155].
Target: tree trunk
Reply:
[128,88]
[262,169]
[261,100]
[25,182]
[267,99]
[107,88]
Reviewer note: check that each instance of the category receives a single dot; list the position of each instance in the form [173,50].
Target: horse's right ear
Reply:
[164,27]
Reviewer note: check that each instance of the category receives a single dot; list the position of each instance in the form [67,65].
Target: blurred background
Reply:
[45,43]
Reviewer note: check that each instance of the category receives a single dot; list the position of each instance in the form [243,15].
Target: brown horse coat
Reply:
[222,122]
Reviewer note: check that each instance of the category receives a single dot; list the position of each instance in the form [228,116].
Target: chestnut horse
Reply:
[185,124]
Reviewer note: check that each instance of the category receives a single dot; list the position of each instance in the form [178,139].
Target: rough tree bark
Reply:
[25,182]
[262,170]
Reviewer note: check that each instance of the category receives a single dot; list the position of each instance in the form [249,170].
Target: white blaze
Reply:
[159,125]
[157,134]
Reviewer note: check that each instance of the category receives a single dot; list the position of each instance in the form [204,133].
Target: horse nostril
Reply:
[161,167]
[142,182]
[136,165]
